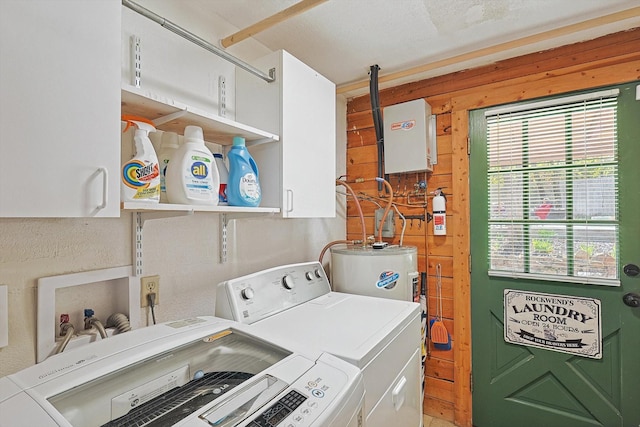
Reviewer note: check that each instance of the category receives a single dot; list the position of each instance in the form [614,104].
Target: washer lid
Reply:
[168,386]
[352,327]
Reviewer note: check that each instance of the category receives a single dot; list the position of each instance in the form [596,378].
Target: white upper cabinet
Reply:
[59,108]
[297,173]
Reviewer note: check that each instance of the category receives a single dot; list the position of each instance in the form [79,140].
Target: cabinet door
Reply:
[60,108]
[309,141]
[298,173]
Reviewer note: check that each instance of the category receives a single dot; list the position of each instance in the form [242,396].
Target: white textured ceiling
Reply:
[342,38]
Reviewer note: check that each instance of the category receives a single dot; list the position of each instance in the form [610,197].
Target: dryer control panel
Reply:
[253,297]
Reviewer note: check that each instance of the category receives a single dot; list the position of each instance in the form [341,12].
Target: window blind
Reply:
[553,189]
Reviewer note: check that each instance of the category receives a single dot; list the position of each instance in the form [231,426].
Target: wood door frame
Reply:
[499,93]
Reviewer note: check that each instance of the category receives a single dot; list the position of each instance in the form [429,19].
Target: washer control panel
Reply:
[253,297]
[306,400]
[280,410]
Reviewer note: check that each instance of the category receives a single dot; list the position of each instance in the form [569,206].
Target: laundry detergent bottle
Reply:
[192,176]
[168,146]
[140,176]
[224,178]
[243,187]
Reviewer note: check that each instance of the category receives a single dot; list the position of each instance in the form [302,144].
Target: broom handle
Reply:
[439,291]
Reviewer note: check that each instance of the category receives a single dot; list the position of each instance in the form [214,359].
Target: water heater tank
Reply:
[391,272]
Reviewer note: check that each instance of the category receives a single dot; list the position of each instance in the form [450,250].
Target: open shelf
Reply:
[155,207]
[173,116]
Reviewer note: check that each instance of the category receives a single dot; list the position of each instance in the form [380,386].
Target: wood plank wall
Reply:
[611,59]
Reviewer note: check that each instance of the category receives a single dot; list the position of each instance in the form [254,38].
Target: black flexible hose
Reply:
[377,119]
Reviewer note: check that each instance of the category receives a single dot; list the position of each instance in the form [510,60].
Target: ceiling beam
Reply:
[491,50]
[269,22]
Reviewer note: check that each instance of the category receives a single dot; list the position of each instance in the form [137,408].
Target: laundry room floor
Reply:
[436,422]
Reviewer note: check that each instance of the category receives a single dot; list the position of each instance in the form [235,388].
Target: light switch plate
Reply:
[4,316]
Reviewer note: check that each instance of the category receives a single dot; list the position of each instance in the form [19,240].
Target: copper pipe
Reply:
[389,204]
[360,214]
[335,242]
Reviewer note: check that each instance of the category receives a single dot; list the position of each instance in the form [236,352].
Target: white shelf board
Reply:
[216,129]
[155,207]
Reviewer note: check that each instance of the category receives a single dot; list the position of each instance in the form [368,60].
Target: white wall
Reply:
[183,250]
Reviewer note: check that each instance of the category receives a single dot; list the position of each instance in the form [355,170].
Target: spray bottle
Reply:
[141,175]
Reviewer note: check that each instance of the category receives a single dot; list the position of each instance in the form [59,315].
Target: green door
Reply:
[555,238]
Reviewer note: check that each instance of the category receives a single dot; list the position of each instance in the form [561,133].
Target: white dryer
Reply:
[194,372]
[382,337]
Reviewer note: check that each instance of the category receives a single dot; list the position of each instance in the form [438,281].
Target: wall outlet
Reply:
[149,285]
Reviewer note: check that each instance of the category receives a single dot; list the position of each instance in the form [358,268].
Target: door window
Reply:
[552,180]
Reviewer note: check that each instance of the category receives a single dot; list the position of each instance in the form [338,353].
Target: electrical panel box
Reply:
[409,137]
[389,226]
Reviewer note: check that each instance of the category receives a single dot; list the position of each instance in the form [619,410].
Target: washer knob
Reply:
[247,293]
[317,273]
[308,275]
[287,282]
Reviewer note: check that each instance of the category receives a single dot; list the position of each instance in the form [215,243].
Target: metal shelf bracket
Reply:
[169,117]
[138,220]
[227,232]
[224,224]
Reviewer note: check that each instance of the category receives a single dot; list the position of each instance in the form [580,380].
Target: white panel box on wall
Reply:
[409,137]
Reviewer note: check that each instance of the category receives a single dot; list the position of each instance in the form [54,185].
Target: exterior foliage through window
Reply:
[553,189]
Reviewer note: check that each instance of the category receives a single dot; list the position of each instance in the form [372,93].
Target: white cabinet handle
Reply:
[398,394]
[289,200]
[105,187]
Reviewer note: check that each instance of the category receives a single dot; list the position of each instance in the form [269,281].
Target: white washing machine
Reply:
[382,337]
[194,372]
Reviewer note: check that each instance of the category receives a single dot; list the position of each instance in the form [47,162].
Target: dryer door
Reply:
[401,404]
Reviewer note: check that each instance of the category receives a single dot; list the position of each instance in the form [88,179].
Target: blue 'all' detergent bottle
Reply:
[243,187]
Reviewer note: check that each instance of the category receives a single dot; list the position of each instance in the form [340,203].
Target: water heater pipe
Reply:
[362,224]
[389,204]
[358,207]
[387,209]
